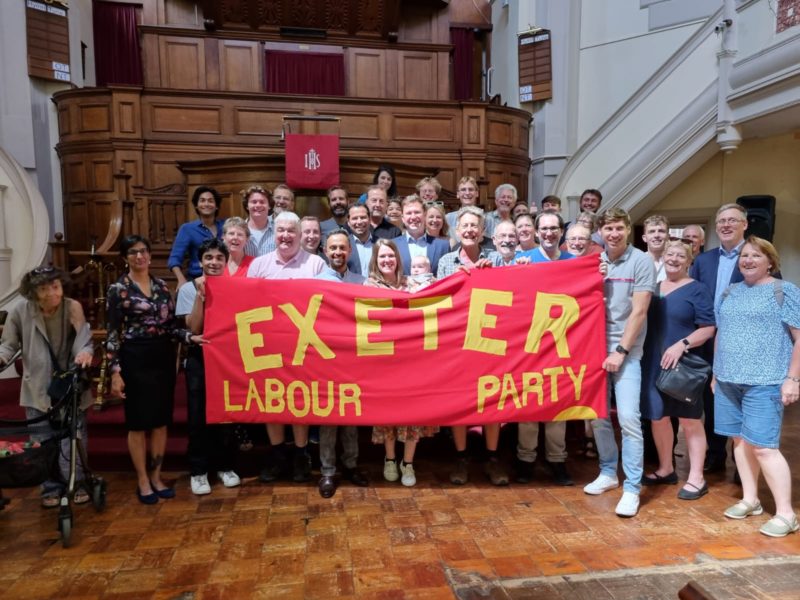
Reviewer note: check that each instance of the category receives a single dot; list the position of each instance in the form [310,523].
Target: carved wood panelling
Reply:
[75,176]
[423,128]
[240,66]
[101,179]
[501,133]
[93,117]
[183,63]
[418,75]
[64,125]
[249,121]
[175,118]
[366,73]
[355,126]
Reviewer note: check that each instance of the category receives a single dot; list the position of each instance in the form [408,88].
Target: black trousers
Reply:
[207,443]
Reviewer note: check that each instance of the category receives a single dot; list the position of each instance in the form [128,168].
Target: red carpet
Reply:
[108,449]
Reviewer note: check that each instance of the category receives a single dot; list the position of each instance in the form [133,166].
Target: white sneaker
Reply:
[200,485]
[628,505]
[602,484]
[390,470]
[408,479]
[229,478]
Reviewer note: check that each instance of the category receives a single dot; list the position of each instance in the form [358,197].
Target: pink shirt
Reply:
[301,266]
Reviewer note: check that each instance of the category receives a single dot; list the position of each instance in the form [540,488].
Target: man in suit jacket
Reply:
[415,242]
[717,269]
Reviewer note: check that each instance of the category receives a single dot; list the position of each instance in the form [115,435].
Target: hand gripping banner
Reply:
[521,343]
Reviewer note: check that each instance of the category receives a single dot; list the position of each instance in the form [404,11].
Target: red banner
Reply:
[522,343]
[312,161]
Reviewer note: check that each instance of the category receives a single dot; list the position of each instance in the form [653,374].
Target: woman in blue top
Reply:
[384,177]
[756,374]
[680,319]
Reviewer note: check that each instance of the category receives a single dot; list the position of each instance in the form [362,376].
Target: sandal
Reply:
[80,497]
[779,526]
[51,501]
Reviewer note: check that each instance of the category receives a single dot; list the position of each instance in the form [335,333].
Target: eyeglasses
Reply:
[549,228]
[729,221]
[137,251]
[430,203]
[577,239]
[43,270]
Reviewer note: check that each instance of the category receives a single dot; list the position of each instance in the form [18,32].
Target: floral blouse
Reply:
[131,315]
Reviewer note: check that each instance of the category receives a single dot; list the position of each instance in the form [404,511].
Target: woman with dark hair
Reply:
[141,358]
[206,201]
[757,375]
[384,177]
[48,326]
[386,271]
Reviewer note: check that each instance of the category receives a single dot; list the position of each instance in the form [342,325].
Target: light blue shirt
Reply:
[754,346]
[727,263]
[418,247]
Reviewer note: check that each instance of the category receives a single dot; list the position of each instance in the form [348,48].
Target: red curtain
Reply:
[463,41]
[117,56]
[304,73]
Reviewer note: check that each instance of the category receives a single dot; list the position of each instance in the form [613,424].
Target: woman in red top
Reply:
[235,234]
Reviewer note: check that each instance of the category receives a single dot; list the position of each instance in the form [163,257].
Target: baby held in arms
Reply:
[421,276]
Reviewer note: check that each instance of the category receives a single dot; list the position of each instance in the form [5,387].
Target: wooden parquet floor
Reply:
[428,542]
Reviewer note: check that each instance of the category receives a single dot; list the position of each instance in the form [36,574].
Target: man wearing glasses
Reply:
[717,269]
[549,227]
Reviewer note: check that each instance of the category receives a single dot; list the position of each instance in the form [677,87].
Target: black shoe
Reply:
[302,468]
[715,465]
[151,498]
[270,474]
[355,477]
[327,486]
[524,472]
[560,474]
[656,479]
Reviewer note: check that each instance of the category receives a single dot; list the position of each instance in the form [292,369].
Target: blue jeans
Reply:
[627,384]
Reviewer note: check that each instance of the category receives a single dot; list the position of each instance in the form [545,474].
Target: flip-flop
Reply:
[80,497]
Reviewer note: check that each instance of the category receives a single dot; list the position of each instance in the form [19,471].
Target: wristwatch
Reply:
[621,350]
[686,343]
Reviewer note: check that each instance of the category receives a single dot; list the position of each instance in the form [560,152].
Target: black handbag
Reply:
[687,380]
[62,384]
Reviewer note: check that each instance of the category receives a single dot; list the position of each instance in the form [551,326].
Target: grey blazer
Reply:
[20,330]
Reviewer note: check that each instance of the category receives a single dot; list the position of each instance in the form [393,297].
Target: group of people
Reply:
[726,304]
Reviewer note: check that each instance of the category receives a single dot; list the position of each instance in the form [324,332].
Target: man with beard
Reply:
[288,261]
[656,234]
[337,203]
[206,202]
[505,242]
[337,249]
[415,242]
[377,202]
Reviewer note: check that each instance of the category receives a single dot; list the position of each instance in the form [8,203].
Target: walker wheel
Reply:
[65,527]
[99,494]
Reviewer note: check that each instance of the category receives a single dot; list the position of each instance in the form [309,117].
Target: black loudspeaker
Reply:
[760,215]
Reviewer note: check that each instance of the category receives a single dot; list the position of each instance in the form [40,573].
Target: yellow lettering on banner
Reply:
[488,385]
[478,320]
[306,336]
[316,407]
[366,326]
[273,390]
[252,394]
[553,373]
[349,393]
[249,341]
[226,394]
[430,322]
[532,384]
[577,380]
[509,390]
[543,322]
[290,398]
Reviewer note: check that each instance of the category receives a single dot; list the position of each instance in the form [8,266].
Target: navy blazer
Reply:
[437,248]
[704,269]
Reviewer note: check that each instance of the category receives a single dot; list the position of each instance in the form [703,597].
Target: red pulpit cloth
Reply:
[312,161]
